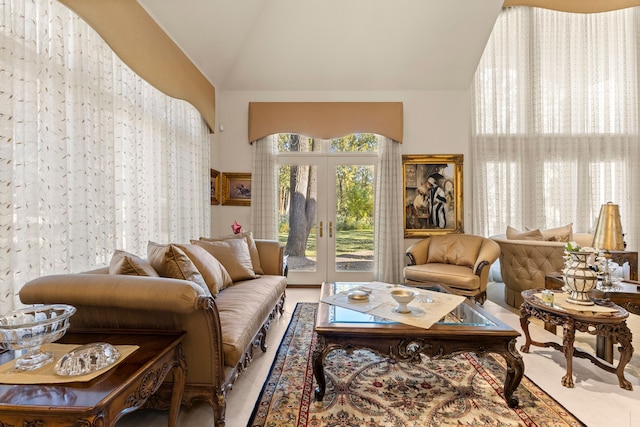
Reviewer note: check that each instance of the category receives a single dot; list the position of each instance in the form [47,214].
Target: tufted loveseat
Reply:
[525,263]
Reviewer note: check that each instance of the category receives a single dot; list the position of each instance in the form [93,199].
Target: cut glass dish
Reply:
[87,359]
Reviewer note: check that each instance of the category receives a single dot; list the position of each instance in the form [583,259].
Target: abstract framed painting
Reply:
[432,186]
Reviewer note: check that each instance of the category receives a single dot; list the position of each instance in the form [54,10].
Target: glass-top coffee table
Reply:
[466,328]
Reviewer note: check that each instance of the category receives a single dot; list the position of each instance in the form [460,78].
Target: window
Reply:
[94,159]
[555,130]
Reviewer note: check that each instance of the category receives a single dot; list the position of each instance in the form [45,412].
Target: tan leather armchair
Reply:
[525,263]
[459,262]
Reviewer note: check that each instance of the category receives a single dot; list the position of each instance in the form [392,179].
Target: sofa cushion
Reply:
[454,249]
[123,262]
[234,256]
[449,274]
[515,234]
[170,261]
[253,249]
[243,307]
[557,234]
[213,272]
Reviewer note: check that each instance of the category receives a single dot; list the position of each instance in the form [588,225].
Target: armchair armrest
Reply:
[271,254]
[489,253]
[418,251]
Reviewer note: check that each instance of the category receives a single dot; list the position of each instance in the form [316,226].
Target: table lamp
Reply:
[608,236]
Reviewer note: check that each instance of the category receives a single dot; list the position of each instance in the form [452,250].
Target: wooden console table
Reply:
[612,325]
[103,400]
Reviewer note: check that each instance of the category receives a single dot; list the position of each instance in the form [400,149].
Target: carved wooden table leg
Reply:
[567,345]
[604,348]
[319,354]
[524,324]
[515,370]
[527,311]
[623,336]
[179,378]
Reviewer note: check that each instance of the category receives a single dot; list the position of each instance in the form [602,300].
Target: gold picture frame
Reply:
[432,187]
[215,187]
[236,189]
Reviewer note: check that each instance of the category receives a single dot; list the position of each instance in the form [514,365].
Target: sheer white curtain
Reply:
[555,131]
[264,189]
[388,258]
[93,158]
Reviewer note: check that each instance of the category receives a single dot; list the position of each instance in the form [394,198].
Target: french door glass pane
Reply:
[354,218]
[297,213]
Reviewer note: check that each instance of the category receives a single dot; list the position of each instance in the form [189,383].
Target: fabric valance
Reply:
[325,119]
[576,6]
[141,44]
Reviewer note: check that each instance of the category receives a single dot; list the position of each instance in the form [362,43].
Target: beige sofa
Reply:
[459,262]
[221,331]
[525,263]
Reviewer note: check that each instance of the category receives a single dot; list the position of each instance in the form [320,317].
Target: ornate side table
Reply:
[610,325]
[626,294]
[103,400]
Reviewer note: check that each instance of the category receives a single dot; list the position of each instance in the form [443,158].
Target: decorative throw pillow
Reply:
[233,254]
[171,262]
[559,234]
[456,249]
[214,274]
[253,249]
[131,265]
[514,234]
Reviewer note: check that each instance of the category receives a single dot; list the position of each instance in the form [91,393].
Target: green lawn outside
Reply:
[347,242]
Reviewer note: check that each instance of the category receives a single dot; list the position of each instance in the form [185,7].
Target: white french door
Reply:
[338,194]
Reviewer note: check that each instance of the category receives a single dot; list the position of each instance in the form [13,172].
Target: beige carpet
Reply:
[366,389]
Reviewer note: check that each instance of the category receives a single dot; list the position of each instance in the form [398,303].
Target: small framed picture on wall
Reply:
[215,187]
[236,189]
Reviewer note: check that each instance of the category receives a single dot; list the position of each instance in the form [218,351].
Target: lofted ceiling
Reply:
[328,45]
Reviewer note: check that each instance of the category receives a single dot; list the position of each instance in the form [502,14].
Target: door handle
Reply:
[330,228]
[320,228]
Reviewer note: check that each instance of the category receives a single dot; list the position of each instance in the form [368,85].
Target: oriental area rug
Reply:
[366,389]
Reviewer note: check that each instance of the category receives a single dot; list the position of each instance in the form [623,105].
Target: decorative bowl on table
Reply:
[29,328]
[86,359]
[403,297]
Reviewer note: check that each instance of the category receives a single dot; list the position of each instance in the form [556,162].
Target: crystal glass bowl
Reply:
[87,359]
[29,328]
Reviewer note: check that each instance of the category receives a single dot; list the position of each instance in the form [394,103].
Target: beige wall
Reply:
[141,44]
[434,123]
